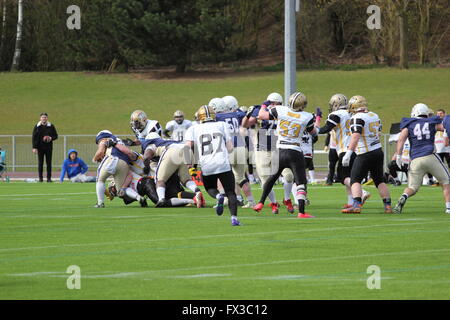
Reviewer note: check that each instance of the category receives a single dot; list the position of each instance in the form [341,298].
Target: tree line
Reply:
[119,35]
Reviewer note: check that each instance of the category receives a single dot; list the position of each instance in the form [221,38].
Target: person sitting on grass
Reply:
[75,168]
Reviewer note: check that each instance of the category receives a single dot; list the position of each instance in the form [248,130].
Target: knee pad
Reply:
[241,184]
[301,192]
[289,177]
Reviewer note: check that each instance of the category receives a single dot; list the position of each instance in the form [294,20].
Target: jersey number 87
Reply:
[207,143]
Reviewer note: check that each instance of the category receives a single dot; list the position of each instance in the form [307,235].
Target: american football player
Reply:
[176,128]
[292,121]
[142,126]
[420,130]
[212,143]
[365,141]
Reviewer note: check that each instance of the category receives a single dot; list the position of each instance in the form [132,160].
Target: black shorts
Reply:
[309,164]
[294,160]
[344,172]
[372,162]
[226,179]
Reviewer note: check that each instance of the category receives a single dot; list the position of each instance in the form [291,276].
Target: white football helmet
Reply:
[275,98]
[231,103]
[420,109]
[218,105]
[152,135]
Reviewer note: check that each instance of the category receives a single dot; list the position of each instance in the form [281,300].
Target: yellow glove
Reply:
[193,172]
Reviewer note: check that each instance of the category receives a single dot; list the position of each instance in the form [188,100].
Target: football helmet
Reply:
[152,135]
[357,103]
[297,101]
[420,110]
[275,98]
[138,120]
[218,105]
[231,103]
[206,113]
[178,116]
[338,101]
[104,134]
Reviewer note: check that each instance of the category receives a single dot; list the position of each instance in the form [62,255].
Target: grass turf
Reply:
[189,253]
[85,103]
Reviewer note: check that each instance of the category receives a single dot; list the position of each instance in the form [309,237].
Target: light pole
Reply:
[290,63]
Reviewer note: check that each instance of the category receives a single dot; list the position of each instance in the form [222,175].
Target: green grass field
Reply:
[189,253]
[85,103]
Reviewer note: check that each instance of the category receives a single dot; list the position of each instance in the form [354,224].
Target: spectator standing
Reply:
[44,133]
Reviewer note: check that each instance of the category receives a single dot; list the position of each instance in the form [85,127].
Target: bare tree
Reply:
[402,7]
[2,39]
[18,50]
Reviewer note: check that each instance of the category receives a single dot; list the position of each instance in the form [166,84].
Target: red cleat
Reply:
[346,206]
[353,209]
[274,207]
[259,206]
[289,206]
[304,216]
[199,200]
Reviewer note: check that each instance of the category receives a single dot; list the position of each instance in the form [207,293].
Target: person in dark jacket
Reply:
[44,133]
[75,168]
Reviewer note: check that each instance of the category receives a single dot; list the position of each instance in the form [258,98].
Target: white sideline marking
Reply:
[44,194]
[33,274]
[218,236]
[149,272]
[202,275]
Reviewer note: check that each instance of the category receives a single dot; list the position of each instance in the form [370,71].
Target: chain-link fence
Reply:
[19,155]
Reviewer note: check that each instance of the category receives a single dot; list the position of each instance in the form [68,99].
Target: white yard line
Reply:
[234,235]
[44,194]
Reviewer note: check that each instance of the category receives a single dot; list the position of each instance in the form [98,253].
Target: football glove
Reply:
[250,111]
[318,112]
[146,170]
[193,172]
[398,161]
[111,143]
[347,157]
[128,142]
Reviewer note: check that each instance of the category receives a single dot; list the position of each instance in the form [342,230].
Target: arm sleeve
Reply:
[84,167]
[327,140]
[273,114]
[357,125]
[63,171]
[35,138]
[310,125]
[54,133]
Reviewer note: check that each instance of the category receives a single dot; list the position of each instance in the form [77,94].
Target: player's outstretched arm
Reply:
[101,150]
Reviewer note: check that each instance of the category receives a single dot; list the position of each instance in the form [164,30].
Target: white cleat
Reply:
[447,211]
[365,196]
[249,205]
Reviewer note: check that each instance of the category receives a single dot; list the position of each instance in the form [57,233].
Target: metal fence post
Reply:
[65,145]
[13,153]
[385,150]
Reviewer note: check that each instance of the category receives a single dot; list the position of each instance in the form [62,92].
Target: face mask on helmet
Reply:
[298,102]
[138,120]
[205,114]
[357,104]
[338,101]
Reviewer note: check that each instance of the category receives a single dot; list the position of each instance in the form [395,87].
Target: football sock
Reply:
[250,198]
[132,194]
[349,199]
[161,191]
[176,202]
[287,190]
[357,201]
[387,201]
[301,206]
[405,196]
[100,187]
[272,197]
[192,186]
[447,204]
[239,198]
[312,176]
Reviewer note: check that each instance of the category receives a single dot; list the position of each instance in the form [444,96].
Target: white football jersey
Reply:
[405,152]
[210,140]
[290,126]
[368,124]
[135,180]
[439,142]
[177,129]
[152,126]
[333,141]
[307,145]
[137,166]
[341,120]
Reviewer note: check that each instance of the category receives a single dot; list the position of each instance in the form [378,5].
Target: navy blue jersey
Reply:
[158,142]
[446,124]
[233,120]
[421,133]
[266,137]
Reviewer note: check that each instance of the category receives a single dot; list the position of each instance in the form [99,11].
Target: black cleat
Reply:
[143,202]
[161,203]
[99,205]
